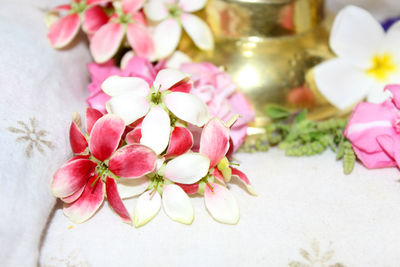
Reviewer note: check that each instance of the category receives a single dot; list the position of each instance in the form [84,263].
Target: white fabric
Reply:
[303,203]
[40,88]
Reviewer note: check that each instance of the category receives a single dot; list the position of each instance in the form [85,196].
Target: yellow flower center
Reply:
[382,67]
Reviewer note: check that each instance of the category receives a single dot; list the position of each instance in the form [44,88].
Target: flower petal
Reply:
[167,78]
[64,30]
[219,176]
[187,107]
[115,201]
[166,37]
[94,18]
[187,168]
[192,6]
[140,40]
[184,86]
[156,129]
[130,107]
[394,89]
[155,10]
[177,59]
[189,189]
[105,136]
[77,139]
[147,206]
[131,6]
[356,36]
[177,204]
[88,203]
[243,178]
[132,187]
[71,177]
[74,196]
[392,41]
[117,85]
[181,141]
[92,115]
[221,204]
[373,160]
[214,141]
[134,136]
[340,83]
[132,161]
[101,50]
[389,143]
[198,30]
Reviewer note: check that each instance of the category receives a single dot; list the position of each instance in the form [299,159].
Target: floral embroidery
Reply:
[72,260]
[32,135]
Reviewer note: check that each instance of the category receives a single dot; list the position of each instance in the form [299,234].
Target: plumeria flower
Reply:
[129,22]
[368,59]
[132,99]
[172,15]
[87,13]
[84,181]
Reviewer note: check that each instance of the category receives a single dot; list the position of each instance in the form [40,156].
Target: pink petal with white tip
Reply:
[105,136]
[192,6]
[214,141]
[189,189]
[77,139]
[117,85]
[132,161]
[140,40]
[167,78]
[94,18]
[177,204]
[166,37]
[132,187]
[97,2]
[243,178]
[187,168]
[101,50]
[88,203]
[155,10]
[115,200]
[74,196]
[187,107]
[219,176]
[181,141]
[134,136]
[156,128]
[131,6]
[130,107]
[221,204]
[64,30]
[184,86]
[198,31]
[92,115]
[147,206]
[71,177]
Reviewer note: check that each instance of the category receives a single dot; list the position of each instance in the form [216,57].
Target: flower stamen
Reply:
[382,67]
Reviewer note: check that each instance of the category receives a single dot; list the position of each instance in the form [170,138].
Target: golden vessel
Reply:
[267,46]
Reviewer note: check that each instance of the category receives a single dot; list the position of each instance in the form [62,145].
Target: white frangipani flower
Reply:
[367,60]
[172,14]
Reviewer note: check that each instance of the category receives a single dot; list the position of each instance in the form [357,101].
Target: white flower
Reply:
[172,14]
[368,59]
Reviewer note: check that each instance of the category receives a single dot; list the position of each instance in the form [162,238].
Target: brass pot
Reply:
[267,46]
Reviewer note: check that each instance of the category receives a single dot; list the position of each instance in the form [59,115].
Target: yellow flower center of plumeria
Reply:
[382,67]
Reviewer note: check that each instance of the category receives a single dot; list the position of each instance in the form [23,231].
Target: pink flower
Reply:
[373,130]
[217,89]
[88,13]
[128,21]
[84,181]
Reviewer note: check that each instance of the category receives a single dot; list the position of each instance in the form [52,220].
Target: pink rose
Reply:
[374,131]
[217,89]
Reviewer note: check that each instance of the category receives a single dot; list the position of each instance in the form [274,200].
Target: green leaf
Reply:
[277,112]
[301,116]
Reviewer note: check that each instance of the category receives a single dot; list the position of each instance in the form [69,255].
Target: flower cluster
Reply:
[144,146]
[152,29]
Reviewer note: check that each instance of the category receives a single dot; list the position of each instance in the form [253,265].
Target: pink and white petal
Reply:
[92,115]
[184,86]
[377,94]
[132,161]
[130,107]
[198,31]
[115,201]
[105,136]
[177,204]
[219,176]
[78,157]
[221,204]
[126,58]
[167,78]
[177,59]
[214,141]
[166,37]
[88,203]
[131,6]
[77,139]
[243,178]
[189,189]
[187,168]
[97,2]
[181,141]
[340,83]
[134,136]
[356,36]
[71,177]
[187,107]
[156,130]
[101,50]
[147,206]
[140,40]
[394,90]
[132,187]
[156,10]
[64,30]
[74,196]
[93,18]
[192,6]
[117,85]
